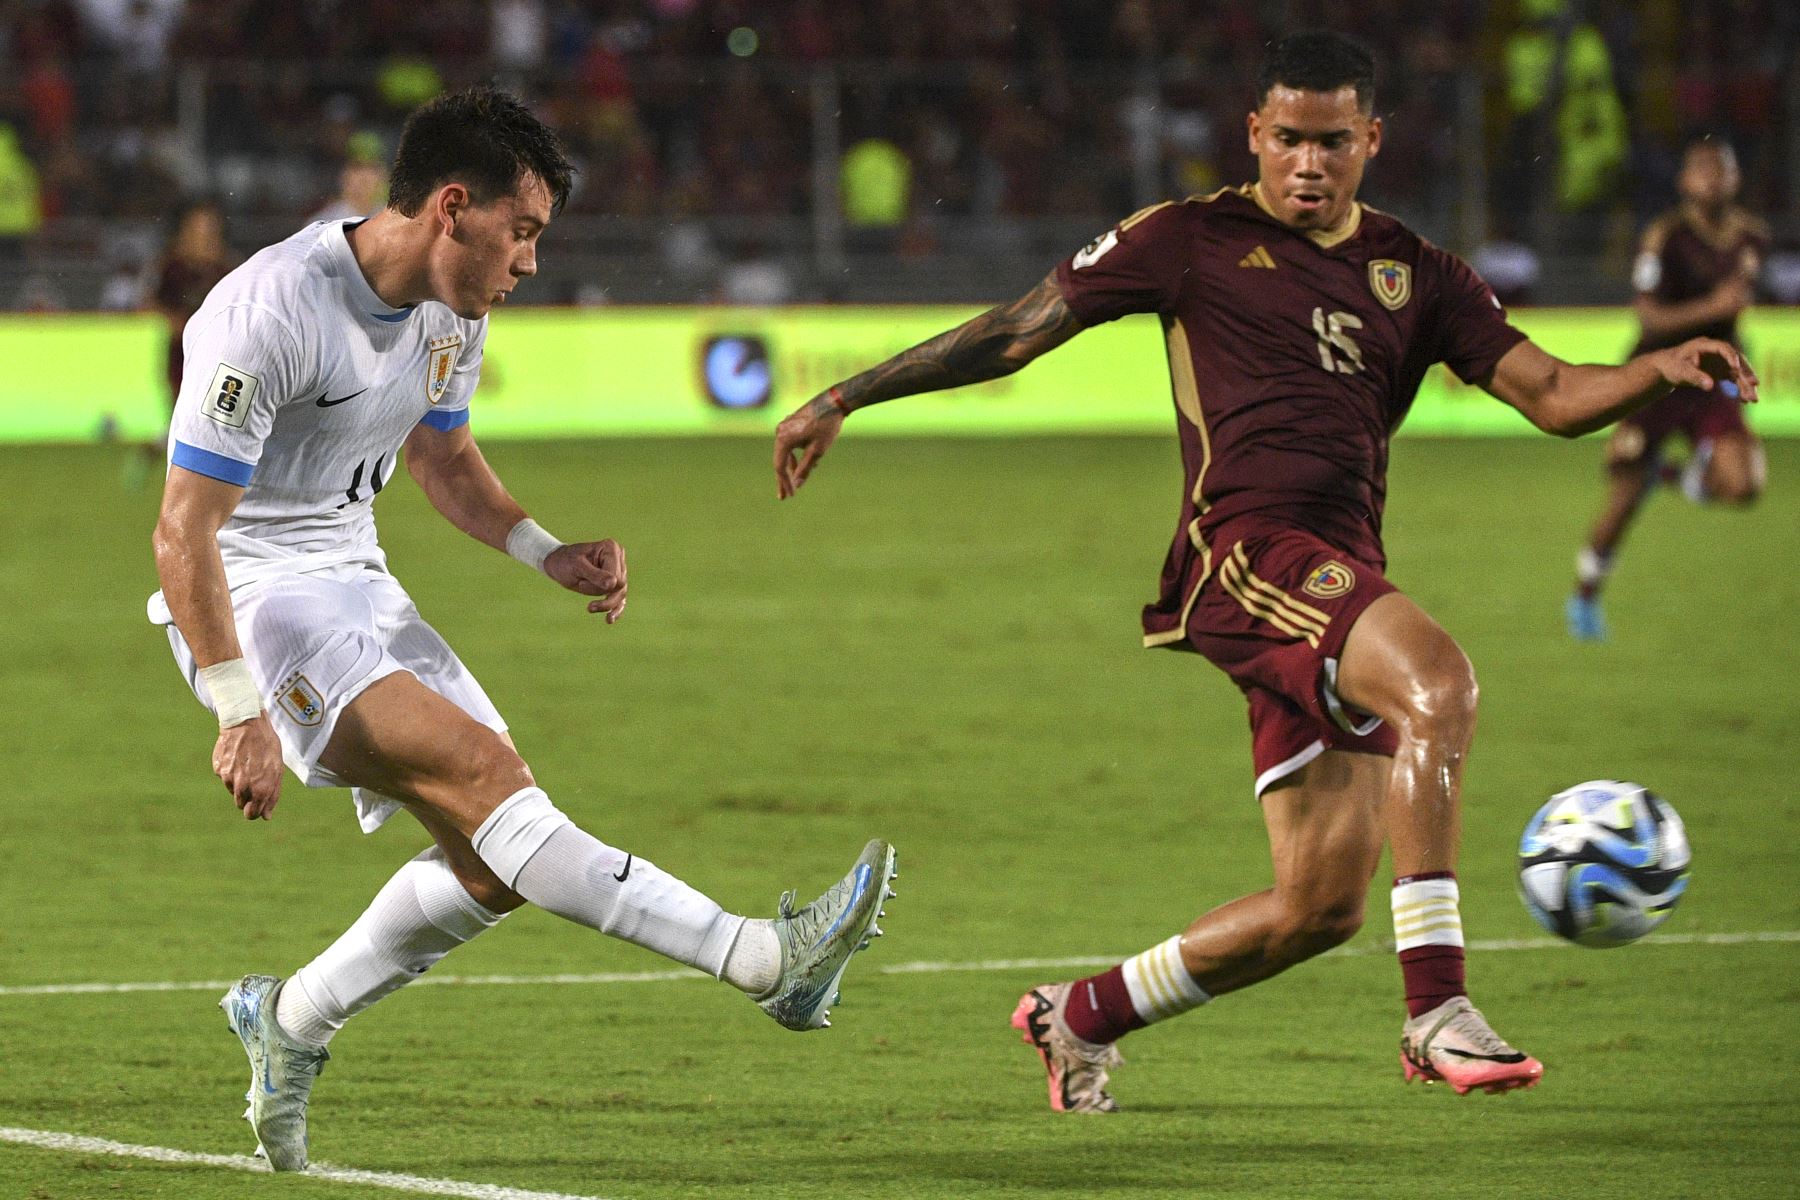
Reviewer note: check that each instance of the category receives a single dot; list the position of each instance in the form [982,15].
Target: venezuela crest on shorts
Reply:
[439,366]
[1329,580]
[1391,282]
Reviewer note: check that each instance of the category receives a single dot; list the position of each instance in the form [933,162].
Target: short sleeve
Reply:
[452,412]
[241,364]
[1473,332]
[1135,267]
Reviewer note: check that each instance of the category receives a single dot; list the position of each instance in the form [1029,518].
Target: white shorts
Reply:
[314,642]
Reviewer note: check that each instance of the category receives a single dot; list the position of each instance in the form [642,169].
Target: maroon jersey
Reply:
[1683,256]
[1292,356]
[183,284]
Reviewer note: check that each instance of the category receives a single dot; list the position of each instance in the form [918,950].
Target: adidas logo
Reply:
[1258,257]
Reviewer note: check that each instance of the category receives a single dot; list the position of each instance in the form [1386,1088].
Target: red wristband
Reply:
[837,400]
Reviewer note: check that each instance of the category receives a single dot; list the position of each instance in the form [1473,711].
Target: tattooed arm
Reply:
[996,343]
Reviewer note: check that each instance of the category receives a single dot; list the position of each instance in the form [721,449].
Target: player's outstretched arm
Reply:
[247,756]
[1569,400]
[455,476]
[996,343]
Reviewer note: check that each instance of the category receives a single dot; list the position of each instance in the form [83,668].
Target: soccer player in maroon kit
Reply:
[1695,271]
[1299,325]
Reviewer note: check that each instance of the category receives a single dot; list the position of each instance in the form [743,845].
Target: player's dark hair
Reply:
[482,138]
[1319,61]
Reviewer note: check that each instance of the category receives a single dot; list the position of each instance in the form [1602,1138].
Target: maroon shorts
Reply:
[1272,611]
[1694,414]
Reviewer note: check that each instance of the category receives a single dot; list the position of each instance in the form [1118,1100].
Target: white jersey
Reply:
[300,385]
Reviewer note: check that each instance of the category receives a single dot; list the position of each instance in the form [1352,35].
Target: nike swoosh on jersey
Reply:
[322,402]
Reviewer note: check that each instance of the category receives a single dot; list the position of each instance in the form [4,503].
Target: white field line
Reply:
[47,1140]
[905,968]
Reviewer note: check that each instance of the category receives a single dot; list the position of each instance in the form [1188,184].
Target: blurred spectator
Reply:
[876,182]
[1002,124]
[756,277]
[362,189]
[21,212]
[137,32]
[519,37]
[1510,267]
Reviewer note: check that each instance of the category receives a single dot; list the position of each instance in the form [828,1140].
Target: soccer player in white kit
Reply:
[308,370]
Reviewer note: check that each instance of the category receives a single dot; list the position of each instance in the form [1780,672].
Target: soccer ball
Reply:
[1603,863]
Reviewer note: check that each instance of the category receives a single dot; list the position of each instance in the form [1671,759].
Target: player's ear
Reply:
[1374,136]
[1252,127]
[450,204]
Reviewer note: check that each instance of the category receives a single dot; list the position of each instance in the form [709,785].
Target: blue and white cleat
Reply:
[818,940]
[281,1072]
[1586,624]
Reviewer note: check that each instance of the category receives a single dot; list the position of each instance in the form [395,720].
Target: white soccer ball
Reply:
[1603,863]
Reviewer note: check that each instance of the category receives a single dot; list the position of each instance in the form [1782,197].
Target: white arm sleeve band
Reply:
[530,544]
[233,691]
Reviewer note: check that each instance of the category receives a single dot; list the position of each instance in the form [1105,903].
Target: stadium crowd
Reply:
[916,112]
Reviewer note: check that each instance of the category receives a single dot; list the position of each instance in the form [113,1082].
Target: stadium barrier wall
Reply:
[680,371]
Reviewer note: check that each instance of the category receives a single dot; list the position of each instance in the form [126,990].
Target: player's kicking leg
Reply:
[392,740]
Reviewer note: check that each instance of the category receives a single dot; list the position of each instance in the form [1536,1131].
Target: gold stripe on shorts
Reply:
[1264,606]
[1298,607]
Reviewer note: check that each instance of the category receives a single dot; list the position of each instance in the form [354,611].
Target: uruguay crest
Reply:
[301,700]
[1331,579]
[1391,282]
[440,364]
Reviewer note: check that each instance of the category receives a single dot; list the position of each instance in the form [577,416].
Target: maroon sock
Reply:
[1434,974]
[1099,1008]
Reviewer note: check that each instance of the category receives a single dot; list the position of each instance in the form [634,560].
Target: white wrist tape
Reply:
[530,544]
[233,691]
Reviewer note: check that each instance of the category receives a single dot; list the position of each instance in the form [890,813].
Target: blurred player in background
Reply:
[1696,271]
[1298,326]
[309,369]
[194,261]
[362,186]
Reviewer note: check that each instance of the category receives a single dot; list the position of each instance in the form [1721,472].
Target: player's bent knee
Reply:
[492,768]
[1442,702]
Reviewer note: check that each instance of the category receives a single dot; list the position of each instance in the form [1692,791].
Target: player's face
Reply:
[1709,176]
[491,247]
[1311,149]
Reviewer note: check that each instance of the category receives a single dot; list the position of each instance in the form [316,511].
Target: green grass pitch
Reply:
[936,642]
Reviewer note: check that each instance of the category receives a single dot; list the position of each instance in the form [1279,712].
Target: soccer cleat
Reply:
[1077,1068]
[1586,624]
[1453,1044]
[818,940]
[281,1072]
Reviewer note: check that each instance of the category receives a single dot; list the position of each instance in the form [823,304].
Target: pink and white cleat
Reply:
[1077,1068]
[1453,1044]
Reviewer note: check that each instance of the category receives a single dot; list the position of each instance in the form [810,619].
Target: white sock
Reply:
[419,916]
[754,963]
[1592,568]
[1693,476]
[1160,985]
[1425,914]
[552,862]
